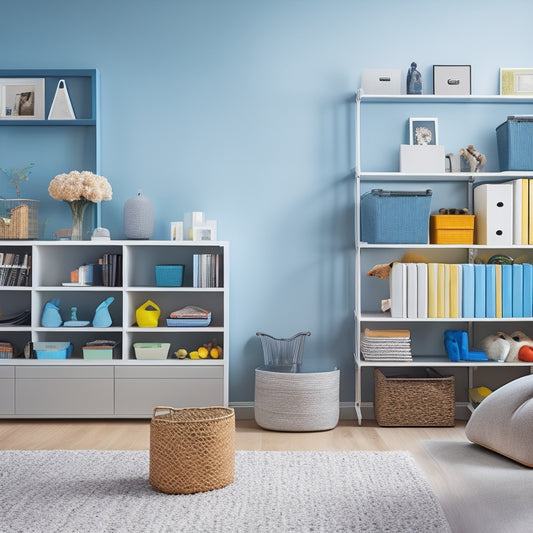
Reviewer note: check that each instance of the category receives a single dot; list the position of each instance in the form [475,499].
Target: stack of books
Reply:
[206,271]
[15,269]
[386,345]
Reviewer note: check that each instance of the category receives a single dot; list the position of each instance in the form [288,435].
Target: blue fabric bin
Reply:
[515,144]
[395,217]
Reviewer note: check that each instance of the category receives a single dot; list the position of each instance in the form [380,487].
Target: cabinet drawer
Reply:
[7,372]
[169,372]
[139,397]
[7,395]
[79,397]
[64,372]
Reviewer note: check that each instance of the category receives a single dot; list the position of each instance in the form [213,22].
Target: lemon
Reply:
[214,353]
[181,353]
[202,352]
[194,355]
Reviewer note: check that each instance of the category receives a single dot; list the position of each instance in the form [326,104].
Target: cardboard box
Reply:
[452,79]
[422,158]
[451,229]
[382,81]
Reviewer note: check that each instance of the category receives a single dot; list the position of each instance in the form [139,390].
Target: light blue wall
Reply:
[244,109]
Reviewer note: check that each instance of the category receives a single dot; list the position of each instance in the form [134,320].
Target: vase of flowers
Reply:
[79,190]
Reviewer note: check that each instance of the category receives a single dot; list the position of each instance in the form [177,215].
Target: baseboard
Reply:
[245,410]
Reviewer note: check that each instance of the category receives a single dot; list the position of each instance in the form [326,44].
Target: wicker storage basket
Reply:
[19,219]
[192,449]
[417,400]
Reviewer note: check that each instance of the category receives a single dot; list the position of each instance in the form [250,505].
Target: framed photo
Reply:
[22,98]
[423,131]
[516,81]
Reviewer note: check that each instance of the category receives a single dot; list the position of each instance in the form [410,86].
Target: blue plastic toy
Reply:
[102,318]
[456,345]
[51,317]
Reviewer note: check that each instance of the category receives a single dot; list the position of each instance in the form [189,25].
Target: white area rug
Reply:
[481,491]
[102,491]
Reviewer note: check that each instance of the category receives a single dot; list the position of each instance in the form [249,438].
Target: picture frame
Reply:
[22,98]
[423,131]
[516,81]
[452,79]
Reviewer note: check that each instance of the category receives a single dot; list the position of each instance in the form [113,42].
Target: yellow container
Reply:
[147,315]
[451,229]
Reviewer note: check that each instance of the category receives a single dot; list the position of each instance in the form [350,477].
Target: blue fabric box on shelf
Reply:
[395,217]
[515,143]
[169,275]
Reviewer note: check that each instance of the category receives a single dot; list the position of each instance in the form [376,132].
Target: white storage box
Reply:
[381,81]
[451,79]
[493,207]
[151,350]
[418,158]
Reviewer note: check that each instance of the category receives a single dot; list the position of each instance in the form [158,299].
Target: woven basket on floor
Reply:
[192,449]
[414,401]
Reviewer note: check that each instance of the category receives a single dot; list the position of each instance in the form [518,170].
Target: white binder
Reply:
[493,207]
[61,108]
[398,290]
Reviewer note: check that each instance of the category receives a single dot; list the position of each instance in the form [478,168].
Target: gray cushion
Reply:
[503,421]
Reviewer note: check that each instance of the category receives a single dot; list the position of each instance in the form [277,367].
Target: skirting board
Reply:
[245,410]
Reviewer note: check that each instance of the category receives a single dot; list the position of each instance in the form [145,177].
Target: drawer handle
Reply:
[452,81]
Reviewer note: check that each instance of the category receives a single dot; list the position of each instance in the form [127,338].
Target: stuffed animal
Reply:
[383,270]
[519,340]
[475,159]
[496,346]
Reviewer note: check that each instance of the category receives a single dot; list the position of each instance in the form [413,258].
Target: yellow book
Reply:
[525,211]
[433,276]
[441,281]
[498,295]
[454,294]
[529,233]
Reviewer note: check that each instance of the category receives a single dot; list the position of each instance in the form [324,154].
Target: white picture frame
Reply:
[423,131]
[21,98]
[516,81]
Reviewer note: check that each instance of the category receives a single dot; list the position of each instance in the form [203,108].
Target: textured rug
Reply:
[103,491]
[481,491]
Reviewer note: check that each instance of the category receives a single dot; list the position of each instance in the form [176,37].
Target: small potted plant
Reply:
[19,218]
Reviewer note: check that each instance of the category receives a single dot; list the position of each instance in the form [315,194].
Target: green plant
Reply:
[18,175]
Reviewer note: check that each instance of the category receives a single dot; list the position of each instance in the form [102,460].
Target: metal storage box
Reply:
[395,217]
[515,143]
[417,397]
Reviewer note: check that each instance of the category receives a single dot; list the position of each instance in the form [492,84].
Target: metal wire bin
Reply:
[283,354]
[19,219]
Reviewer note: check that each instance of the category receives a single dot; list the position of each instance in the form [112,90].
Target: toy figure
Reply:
[414,80]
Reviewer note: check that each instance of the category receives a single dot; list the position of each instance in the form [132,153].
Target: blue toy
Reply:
[456,345]
[102,318]
[51,317]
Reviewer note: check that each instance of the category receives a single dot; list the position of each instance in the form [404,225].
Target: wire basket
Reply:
[19,219]
[283,354]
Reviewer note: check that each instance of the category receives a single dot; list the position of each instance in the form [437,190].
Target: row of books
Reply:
[15,269]
[111,269]
[441,290]
[386,345]
[206,271]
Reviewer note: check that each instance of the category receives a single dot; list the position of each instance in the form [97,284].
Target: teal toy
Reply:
[74,322]
[51,317]
[102,318]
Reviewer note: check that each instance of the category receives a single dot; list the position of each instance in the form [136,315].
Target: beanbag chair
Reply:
[503,421]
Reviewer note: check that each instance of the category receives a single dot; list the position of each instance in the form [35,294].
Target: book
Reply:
[517,290]
[398,290]
[422,283]
[479,291]
[387,333]
[446,290]
[507,291]
[498,290]
[433,275]
[468,287]
[527,290]
[455,291]
[412,290]
[441,291]
[490,291]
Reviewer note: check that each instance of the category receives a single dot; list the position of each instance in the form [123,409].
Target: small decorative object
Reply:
[475,159]
[79,190]
[516,81]
[414,80]
[176,231]
[74,322]
[61,108]
[22,98]
[101,234]
[51,317]
[452,79]
[423,131]
[147,315]
[139,217]
[102,318]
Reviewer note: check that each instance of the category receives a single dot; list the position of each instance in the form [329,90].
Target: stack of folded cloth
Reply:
[386,345]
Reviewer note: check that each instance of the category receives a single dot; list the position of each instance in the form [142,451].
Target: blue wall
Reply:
[244,109]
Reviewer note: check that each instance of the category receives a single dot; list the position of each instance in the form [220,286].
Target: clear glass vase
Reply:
[78,208]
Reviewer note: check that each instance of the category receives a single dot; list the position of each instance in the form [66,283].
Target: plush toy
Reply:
[496,346]
[475,159]
[519,340]
[383,270]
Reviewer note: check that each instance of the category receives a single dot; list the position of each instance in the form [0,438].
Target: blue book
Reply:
[527,303]
[479,291]
[507,291]
[518,290]
[468,290]
[490,291]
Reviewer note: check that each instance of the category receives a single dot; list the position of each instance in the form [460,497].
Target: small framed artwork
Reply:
[516,81]
[423,131]
[22,98]
[452,79]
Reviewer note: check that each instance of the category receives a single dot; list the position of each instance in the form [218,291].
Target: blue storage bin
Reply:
[52,350]
[515,144]
[169,275]
[395,217]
